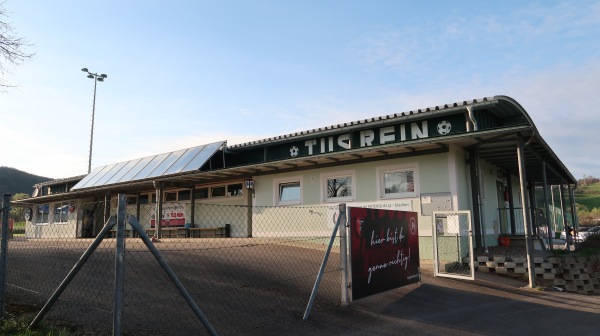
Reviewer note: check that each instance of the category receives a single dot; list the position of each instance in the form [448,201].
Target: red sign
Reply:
[384,250]
[174,218]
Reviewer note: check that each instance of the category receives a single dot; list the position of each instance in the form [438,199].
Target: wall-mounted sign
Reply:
[384,250]
[376,136]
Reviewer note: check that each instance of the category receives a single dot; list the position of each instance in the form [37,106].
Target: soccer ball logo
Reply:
[294,151]
[444,127]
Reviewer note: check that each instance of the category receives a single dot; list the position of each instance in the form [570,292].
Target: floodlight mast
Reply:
[97,78]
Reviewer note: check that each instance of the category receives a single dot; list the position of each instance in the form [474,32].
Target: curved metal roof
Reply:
[496,145]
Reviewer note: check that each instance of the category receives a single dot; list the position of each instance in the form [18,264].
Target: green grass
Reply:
[588,196]
[589,200]
[18,327]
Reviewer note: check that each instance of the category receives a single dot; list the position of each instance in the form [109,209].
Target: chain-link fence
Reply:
[452,243]
[245,267]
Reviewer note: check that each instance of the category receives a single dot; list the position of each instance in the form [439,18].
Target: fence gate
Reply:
[452,244]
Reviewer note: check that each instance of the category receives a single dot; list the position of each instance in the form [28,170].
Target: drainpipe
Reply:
[471,120]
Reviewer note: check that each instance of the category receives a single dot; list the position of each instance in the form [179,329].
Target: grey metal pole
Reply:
[92,131]
[526,219]
[344,257]
[564,216]
[553,208]
[158,213]
[135,225]
[547,209]
[119,267]
[324,263]
[65,283]
[3,251]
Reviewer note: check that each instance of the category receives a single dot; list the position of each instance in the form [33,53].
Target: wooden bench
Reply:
[113,234]
[178,232]
[208,232]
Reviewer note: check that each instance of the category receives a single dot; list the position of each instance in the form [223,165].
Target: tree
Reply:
[17,212]
[13,49]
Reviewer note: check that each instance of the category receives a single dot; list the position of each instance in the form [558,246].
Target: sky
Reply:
[187,73]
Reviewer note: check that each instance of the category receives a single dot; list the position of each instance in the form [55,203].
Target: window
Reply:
[170,196]
[234,189]
[398,181]
[217,191]
[132,200]
[184,195]
[287,191]
[201,193]
[61,212]
[143,199]
[338,186]
[43,214]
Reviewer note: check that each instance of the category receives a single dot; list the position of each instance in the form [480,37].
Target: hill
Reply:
[588,195]
[13,181]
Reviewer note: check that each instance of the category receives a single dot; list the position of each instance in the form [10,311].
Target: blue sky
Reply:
[185,73]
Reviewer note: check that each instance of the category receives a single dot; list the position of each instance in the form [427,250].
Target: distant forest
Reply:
[14,181]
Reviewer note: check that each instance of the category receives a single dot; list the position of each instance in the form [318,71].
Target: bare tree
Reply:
[13,48]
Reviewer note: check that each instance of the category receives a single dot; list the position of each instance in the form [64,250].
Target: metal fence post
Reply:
[3,250]
[65,283]
[136,226]
[119,267]
[313,295]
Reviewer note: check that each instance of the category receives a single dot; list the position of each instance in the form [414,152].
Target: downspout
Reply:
[471,119]
[475,185]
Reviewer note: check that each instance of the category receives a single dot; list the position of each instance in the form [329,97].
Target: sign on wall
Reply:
[384,250]
[172,216]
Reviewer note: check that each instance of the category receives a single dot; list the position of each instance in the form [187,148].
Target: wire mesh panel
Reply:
[249,269]
[453,245]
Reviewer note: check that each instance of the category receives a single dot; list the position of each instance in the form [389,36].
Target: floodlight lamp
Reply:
[103,76]
[100,79]
[84,69]
[90,76]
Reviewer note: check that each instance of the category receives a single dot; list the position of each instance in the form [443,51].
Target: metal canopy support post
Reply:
[158,212]
[533,208]
[564,215]
[193,209]
[106,209]
[476,196]
[3,251]
[138,207]
[249,207]
[65,283]
[511,203]
[119,267]
[341,219]
[572,202]
[135,225]
[526,217]
[547,207]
